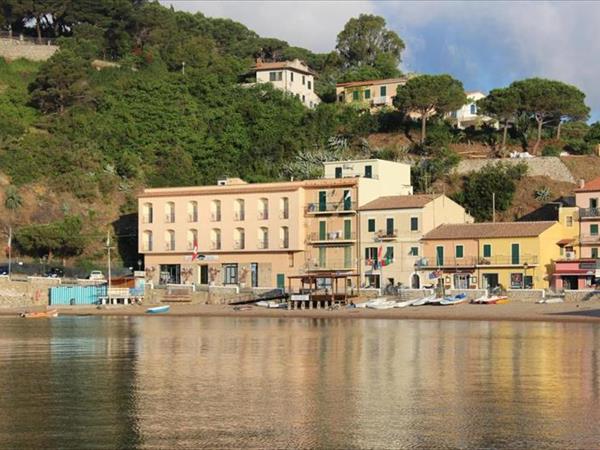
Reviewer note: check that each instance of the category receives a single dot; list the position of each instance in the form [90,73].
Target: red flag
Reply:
[195,253]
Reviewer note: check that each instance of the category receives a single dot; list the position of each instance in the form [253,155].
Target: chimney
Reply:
[581,183]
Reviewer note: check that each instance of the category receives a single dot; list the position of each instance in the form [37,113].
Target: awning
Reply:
[565,242]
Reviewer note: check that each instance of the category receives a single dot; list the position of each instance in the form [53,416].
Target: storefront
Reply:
[575,274]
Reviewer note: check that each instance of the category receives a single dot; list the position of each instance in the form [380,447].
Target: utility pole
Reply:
[108,247]
[493,207]
[183,68]
[9,251]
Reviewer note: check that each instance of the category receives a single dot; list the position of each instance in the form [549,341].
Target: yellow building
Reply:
[371,93]
[514,255]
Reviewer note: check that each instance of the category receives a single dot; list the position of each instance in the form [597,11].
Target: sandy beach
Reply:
[588,311]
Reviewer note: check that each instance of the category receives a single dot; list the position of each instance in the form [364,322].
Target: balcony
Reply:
[263,215]
[215,245]
[239,215]
[238,244]
[215,216]
[330,265]
[193,217]
[589,213]
[170,218]
[471,261]
[386,235]
[332,237]
[588,238]
[263,244]
[501,260]
[331,208]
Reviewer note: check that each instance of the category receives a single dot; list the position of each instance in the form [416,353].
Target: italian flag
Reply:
[195,252]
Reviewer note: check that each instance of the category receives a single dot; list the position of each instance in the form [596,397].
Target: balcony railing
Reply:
[263,243]
[331,207]
[330,264]
[589,238]
[238,244]
[170,246]
[215,216]
[193,217]
[386,234]
[332,236]
[284,243]
[503,260]
[471,261]
[263,215]
[589,212]
[239,215]
[215,245]
[379,100]
[170,218]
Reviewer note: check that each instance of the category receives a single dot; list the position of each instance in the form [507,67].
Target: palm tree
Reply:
[12,198]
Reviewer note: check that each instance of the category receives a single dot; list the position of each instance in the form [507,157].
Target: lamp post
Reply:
[525,267]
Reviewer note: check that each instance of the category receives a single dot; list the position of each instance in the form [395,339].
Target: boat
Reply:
[383,305]
[430,299]
[158,309]
[454,300]
[242,308]
[270,304]
[406,303]
[40,314]
[551,300]
[370,303]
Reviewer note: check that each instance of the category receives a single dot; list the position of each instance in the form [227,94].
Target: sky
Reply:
[483,44]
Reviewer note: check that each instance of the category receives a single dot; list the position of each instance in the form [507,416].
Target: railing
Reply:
[193,217]
[446,262]
[263,215]
[264,243]
[22,38]
[589,212]
[332,236]
[215,245]
[379,100]
[170,246]
[147,218]
[238,244]
[169,218]
[330,264]
[314,208]
[507,260]
[215,216]
[386,234]
[470,261]
[284,243]
[588,237]
[239,215]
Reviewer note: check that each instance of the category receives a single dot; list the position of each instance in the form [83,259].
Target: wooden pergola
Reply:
[311,295]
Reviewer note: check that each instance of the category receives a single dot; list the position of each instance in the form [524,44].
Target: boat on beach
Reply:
[429,300]
[388,304]
[454,300]
[40,314]
[487,299]
[158,309]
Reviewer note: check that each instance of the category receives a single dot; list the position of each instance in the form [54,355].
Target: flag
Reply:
[195,252]
[347,196]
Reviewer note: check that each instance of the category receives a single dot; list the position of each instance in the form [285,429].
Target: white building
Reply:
[294,77]
[467,115]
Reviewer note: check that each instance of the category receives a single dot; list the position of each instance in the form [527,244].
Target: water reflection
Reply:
[236,382]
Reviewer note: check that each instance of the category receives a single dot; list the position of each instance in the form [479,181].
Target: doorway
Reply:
[230,273]
[490,281]
[170,273]
[415,281]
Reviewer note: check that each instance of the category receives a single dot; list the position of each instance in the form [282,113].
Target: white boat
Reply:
[271,304]
[551,300]
[430,299]
[405,303]
[382,305]
[375,301]
[454,300]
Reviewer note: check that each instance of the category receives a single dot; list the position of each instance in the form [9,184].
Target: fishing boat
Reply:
[40,314]
[158,309]
[454,300]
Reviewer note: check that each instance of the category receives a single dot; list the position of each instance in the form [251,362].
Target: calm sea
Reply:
[160,382]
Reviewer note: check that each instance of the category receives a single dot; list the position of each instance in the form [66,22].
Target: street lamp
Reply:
[525,267]
[139,261]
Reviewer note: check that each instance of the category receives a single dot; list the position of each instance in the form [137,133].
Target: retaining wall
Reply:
[580,296]
[14,49]
[525,295]
[24,293]
[471,294]
[544,166]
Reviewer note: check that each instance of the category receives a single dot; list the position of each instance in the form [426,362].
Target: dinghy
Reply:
[370,303]
[382,305]
[429,300]
[454,300]
[490,300]
[158,309]
[40,314]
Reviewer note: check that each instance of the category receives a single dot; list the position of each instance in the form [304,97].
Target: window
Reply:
[347,200]
[459,251]
[347,229]
[594,252]
[371,225]
[368,94]
[239,239]
[170,240]
[147,242]
[439,255]
[292,77]
[369,171]
[593,203]
[275,76]
[215,211]
[383,91]
[487,250]
[473,108]
[516,280]
[303,79]
[309,85]
[370,253]
[355,96]
[515,254]
[263,209]
[254,274]
[414,224]
[338,172]
[322,200]
[569,221]
[263,237]
[594,229]
[192,211]
[389,255]
[215,239]
[347,257]
[322,257]
[322,230]
[389,226]
[303,98]
[147,213]
[230,273]
[414,251]
[204,274]
[239,209]
[170,212]
[192,239]
[284,208]
[284,237]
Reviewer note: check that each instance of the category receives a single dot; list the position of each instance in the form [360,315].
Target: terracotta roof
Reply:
[399,202]
[372,82]
[593,185]
[565,241]
[280,65]
[488,230]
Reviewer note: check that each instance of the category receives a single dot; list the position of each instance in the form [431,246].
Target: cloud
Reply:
[309,24]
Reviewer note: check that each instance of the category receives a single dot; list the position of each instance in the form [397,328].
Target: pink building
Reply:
[586,199]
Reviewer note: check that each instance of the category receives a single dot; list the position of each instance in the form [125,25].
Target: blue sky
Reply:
[484,44]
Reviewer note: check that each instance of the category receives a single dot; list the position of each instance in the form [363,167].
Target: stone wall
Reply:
[546,166]
[213,295]
[24,293]
[581,296]
[525,295]
[14,49]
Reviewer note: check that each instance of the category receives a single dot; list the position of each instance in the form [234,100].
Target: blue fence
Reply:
[77,295]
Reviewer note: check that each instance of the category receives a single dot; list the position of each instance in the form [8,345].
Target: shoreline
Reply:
[586,312]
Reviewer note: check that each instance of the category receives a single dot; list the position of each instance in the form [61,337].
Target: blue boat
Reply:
[158,309]
[455,300]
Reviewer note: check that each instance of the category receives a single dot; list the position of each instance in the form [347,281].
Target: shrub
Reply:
[551,150]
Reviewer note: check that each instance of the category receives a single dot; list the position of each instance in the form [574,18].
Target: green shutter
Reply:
[322,230]
[515,254]
[368,94]
[347,229]
[347,257]
[383,91]
[371,225]
[281,281]
[322,257]
[355,96]
[322,201]
[487,250]
[439,253]
[594,229]
[460,250]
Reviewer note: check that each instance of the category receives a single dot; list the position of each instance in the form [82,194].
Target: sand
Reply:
[588,311]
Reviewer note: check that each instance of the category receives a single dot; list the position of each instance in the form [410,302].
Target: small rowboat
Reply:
[40,315]
[158,309]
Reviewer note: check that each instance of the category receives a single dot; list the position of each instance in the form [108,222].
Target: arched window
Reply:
[263,209]
[215,239]
[192,211]
[192,239]
[147,213]
[215,211]
[170,212]
[147,241]
[284,237]
[239,209]
[239,239]
[170,240]
[284,208]
[263,237]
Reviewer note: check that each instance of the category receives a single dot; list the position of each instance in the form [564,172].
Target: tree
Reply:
[502,105]
[547,101]
[428,95]
[365,41]
[61,82]
[12,198]
[61,238]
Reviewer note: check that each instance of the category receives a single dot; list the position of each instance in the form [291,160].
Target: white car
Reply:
[96,275]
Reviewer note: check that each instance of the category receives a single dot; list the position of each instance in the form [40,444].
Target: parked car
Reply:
[96,275]
[55,272]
